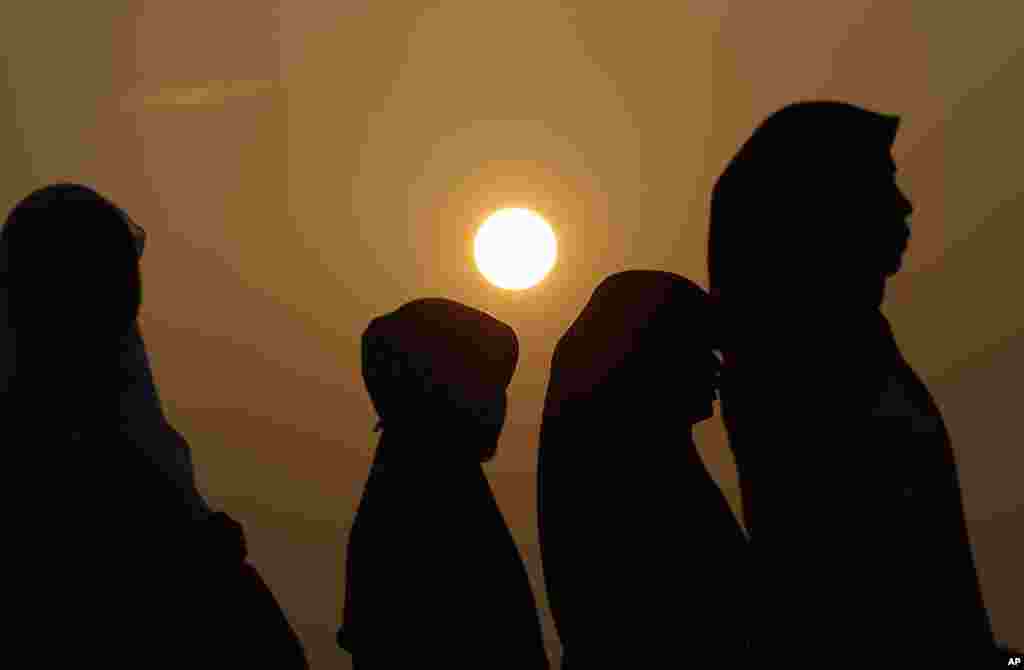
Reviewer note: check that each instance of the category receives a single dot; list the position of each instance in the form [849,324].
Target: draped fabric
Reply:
[76,259]
[143,421]
[432,573]
[117,561]
[850,487]
[643,559]
[856,519]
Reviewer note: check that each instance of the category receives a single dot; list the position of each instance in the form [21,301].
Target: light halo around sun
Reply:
[515,248]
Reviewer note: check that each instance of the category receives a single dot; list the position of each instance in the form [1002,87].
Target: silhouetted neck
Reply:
[431,447]
[787,330]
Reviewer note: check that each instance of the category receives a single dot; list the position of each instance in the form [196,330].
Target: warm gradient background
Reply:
[303,167]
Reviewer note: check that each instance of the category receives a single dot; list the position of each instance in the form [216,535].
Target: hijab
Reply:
[67,244]
[434,361]
[793,235]
[638,326]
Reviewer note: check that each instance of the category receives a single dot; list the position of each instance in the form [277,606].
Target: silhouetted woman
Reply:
[433,577]
[643,559]
[125,563]
[850,485]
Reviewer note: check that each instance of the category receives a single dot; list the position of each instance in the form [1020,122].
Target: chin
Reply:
[487,453]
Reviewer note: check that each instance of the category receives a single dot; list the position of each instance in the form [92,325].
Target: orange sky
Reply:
[303,168]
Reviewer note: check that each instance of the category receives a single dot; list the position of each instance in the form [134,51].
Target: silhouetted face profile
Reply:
[72,265]
[642,347]
[808,212]
[437,366]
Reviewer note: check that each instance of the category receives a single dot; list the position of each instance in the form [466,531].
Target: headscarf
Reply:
[83,241]
[434,360]
[68,245]
[792,226]
[629,379]
[437,372]
[638,326]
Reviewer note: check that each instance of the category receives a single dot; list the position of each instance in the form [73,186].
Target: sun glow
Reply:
[515,249]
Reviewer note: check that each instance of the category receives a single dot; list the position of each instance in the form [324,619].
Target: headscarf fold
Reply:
[434,358]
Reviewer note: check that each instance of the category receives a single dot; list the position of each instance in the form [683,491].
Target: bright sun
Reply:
[514,248]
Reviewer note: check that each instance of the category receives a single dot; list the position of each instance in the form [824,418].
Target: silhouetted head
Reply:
[435,365]
[72,265]
[808,211]
[641,349]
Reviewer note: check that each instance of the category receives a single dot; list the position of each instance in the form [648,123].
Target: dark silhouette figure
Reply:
[142,413]
[124,564]
[850,485]
[643,559]
[433,576]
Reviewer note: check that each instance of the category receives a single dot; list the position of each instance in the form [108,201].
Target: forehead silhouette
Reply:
[440,342]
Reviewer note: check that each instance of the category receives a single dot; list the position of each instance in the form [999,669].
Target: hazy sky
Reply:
[302,168]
